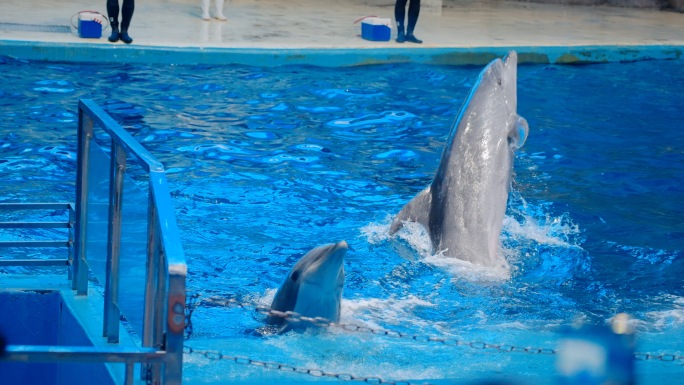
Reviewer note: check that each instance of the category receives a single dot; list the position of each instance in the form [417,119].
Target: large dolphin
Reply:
[464,206]
[313,287]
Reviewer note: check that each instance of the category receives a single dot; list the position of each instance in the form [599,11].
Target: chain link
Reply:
[218,356]
[659,357]
[477,345]
[191,304]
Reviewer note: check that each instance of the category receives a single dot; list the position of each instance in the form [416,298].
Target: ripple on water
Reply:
[262,135]
[54,86]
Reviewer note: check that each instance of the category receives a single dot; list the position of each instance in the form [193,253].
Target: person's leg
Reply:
[399,16]
[219,10]
[126,15]
[413,12]
[113,14]
[205,10]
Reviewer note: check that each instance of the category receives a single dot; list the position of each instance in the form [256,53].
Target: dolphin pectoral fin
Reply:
[417,210]
[518,134]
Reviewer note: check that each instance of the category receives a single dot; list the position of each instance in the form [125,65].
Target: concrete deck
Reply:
[323,32]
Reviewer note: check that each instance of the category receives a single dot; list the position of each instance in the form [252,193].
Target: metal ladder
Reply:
[161,353]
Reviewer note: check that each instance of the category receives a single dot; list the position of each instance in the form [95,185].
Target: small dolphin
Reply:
[313,287]
[464,206]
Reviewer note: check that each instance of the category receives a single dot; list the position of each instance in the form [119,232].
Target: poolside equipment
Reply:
[74,330]
[375,28]
[90,24]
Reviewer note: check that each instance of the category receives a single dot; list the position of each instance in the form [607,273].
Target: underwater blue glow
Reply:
[265,164]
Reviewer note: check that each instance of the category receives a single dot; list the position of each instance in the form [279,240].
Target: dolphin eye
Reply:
[498,81]
[294,276]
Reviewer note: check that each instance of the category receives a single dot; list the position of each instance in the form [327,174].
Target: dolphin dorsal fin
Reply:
[417,210]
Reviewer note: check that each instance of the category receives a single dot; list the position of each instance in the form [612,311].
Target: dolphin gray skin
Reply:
[313,287]
[464,206]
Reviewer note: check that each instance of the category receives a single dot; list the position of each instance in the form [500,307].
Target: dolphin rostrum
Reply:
[313,287]
[464,206]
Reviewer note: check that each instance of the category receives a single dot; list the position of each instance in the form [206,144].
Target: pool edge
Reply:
[331,57]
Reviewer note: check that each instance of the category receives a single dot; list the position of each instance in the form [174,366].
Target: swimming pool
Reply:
[260,173]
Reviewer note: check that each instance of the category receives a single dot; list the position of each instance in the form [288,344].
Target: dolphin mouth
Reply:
[335,258]
[333,262]
[511,59]
[340,246]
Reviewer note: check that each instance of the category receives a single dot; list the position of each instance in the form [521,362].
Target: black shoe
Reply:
[114,37]
[125,38]
[412,39]
[400,37]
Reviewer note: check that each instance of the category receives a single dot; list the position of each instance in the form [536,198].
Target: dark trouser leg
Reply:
[113,14]
[127,14]
[413,12]
[399,16]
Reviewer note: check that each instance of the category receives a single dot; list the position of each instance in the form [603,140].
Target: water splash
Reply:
[530,233]
[376,313]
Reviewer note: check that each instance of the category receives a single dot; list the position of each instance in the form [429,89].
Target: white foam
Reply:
[666,320]
[523,230]
[264,300]
[670,318]
[391,311]
[550,231]
[376,232]
[417,237]
[470,271]
[531,222]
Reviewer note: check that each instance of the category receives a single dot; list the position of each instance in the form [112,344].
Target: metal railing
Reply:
[164,299]
[68,243]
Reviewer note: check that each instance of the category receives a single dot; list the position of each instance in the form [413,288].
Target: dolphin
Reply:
[464,206]
[313,287]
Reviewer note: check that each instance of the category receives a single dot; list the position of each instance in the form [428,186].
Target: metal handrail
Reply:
[164,308]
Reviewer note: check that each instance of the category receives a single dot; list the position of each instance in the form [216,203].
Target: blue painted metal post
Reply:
[172,282]
[151,372]
[111,310]
[71,242]
[85,134]
[175,327]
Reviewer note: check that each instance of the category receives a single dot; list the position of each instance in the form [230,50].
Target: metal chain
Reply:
[218,356]
[323,322]
[190,306]
[666,357]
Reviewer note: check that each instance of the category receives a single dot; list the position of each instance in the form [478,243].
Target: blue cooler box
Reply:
[89,25]
[375,29]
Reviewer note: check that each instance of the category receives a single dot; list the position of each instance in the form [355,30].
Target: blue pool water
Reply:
[262,170]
